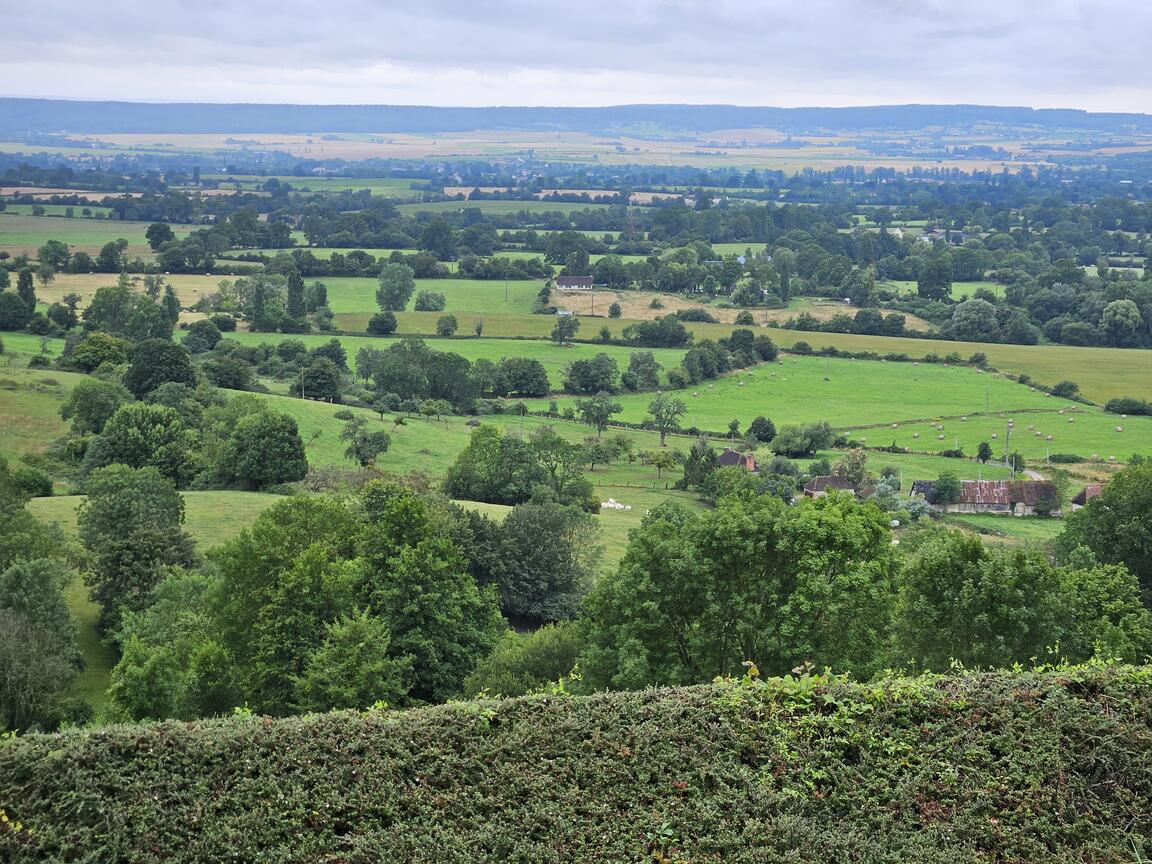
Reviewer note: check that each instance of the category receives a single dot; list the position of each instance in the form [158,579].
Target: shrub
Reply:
[446,325]
[518,779]
[32,482]
[1129,405]
[430,301]
[382,324]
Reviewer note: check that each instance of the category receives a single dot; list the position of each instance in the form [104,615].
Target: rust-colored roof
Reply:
[989,493]
[1092,490]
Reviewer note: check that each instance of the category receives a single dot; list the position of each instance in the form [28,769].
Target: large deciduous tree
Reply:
[665,414]
[397,284]
[754,580]
[155,362]
[131,527]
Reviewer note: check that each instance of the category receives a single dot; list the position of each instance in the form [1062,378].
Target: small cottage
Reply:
[735,459]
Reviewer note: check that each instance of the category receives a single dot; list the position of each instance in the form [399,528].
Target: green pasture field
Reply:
[723,249]
[959,289]
[844,392]
[501,207]
[388,187]
[61,210]
[1024,529]
[553,357]
[357,294]
[21,346]
[1102,373]
[23,235]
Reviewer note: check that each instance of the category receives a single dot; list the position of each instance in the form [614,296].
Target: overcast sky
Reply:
[1091,54]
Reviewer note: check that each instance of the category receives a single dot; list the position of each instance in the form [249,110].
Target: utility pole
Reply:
[1007,435]
[301,382]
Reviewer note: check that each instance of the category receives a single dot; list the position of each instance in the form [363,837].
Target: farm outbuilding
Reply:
[819,486]
[1092,490]
[1007,497]
[574,283]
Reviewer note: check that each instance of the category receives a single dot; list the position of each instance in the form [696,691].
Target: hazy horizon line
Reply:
[541,106]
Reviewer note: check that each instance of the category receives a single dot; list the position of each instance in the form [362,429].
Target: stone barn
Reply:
[1006,497]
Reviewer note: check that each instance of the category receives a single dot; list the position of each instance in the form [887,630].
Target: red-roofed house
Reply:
[735,459]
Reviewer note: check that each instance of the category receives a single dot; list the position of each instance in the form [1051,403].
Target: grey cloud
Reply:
[857,50]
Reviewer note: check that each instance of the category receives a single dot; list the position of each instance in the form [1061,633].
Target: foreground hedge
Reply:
[1053,766]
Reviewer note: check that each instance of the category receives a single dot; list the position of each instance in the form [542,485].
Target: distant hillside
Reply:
[28,116]
[1052,767]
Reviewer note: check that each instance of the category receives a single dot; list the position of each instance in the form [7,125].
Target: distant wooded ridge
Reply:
[30,116]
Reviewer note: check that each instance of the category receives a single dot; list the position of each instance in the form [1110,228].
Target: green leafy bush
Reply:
[1052,766]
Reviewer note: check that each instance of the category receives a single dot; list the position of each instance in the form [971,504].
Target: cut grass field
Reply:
[1080,430]
[189,288]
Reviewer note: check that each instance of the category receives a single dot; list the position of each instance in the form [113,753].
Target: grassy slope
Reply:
[1053,767]
[1009,528]
[30,408]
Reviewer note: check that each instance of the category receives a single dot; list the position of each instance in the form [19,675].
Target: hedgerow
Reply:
[1052,766]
